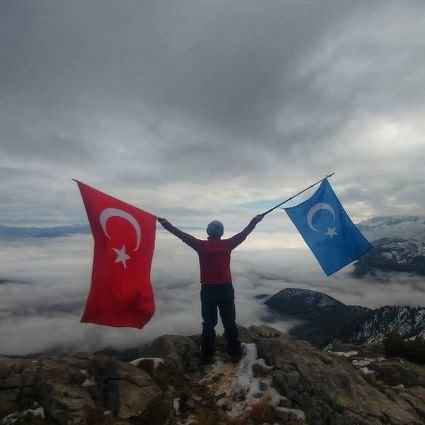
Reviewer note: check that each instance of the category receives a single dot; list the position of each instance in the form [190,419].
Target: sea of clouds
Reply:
[44,283]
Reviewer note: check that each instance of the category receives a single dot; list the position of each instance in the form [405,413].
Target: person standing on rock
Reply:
[216,283]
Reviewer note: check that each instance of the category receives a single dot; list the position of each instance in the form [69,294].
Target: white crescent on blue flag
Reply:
[328,231]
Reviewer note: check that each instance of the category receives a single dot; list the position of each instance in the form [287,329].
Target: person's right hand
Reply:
[257,218]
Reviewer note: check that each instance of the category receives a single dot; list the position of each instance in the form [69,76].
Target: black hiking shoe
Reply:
[236,355]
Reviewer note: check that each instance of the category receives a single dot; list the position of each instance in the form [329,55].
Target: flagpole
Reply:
[299,193]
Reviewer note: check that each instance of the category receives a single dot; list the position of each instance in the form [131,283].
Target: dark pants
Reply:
[221,297]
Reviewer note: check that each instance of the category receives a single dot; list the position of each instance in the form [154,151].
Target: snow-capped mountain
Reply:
[328,320]
[404,227]
[399,245]
[407,321]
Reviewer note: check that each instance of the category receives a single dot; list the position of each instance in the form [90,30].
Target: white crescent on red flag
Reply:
[124,240]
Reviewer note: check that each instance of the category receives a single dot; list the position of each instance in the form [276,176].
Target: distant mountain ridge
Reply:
[401,226]
[18,232]
[10,232]
[328,320]
[398,245]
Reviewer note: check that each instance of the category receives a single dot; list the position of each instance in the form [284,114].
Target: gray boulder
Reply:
[179,353]
[78,390]
[328,388]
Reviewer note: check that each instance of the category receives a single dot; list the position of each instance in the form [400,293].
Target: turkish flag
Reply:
[124,240]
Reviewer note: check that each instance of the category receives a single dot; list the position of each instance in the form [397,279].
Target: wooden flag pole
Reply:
[299,193]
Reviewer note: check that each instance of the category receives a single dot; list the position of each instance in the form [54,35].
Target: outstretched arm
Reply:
[185,237]
[241,236]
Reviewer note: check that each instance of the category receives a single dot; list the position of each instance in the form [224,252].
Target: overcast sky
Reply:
[191,109]
[200,110]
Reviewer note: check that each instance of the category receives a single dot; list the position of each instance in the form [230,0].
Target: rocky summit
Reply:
[280,380]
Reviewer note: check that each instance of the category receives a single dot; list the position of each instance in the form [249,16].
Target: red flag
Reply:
[124,240]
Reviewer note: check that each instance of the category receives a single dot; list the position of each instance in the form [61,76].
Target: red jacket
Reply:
[214,254]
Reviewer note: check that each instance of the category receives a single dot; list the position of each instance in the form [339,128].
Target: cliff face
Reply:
[280,380]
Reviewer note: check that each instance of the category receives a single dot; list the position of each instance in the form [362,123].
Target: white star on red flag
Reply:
[122,256]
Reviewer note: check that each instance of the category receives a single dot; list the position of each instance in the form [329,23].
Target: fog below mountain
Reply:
[44,284]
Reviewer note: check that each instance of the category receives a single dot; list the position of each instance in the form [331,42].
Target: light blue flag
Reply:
[328,231]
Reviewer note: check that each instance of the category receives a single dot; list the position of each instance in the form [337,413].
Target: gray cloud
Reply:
[243,102]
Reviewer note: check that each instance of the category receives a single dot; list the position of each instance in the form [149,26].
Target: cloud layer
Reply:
[45,282]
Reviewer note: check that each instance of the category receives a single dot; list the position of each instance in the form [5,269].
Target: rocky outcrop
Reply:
[280,380]
[77,390]
[331,390]
[179,352]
